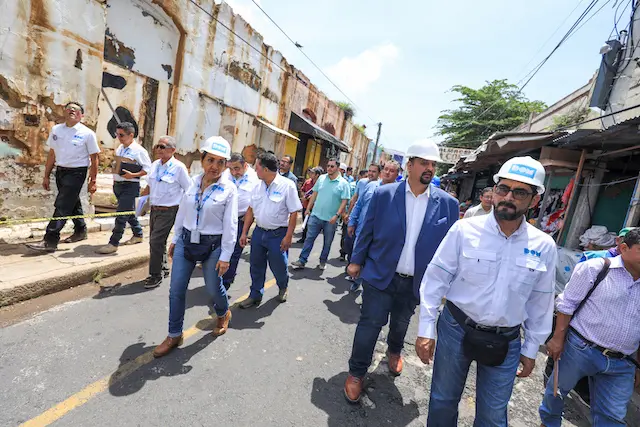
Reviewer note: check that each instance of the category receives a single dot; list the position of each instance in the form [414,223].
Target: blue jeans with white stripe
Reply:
[610,384]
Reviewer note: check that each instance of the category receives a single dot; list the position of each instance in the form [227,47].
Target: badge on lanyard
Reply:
[200,202]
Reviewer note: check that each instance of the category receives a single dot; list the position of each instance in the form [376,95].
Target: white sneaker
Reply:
[297,264]
[322,265]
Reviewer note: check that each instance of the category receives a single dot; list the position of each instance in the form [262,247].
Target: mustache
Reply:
[507,205]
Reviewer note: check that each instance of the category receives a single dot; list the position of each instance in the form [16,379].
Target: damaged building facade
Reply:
[168,66]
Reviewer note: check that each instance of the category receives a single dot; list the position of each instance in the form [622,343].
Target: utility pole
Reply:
[375,150]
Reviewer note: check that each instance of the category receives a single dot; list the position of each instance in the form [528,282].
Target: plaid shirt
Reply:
[611,315]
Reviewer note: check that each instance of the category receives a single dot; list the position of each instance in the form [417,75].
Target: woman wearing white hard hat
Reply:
[205,231]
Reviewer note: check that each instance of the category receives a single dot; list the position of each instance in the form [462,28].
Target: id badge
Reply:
[195,237]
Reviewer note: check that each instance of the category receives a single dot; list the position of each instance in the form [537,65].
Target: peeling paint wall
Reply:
[164,64]
[46,60]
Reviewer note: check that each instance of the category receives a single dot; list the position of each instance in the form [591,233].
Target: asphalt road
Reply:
[87,362]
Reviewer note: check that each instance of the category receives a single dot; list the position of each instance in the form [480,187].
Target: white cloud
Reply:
[356,74]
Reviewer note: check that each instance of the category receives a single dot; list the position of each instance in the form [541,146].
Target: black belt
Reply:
[273,229]
[164,208]
[404,276]
[605,351]
[463,320]
[241,218]
[62,168]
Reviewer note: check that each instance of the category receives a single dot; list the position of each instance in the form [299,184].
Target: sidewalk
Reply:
[25,275]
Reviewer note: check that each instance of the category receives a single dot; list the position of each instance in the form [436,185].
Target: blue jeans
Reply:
[398,303]
[181,274]
[265,247]
[494,384]
[610,384]
[126,193]
[314,226]
[228,277]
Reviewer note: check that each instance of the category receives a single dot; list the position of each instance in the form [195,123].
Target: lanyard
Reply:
[199,204]
[126,151]
[166,172]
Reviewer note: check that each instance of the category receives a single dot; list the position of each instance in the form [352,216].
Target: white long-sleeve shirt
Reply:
[218,216]
[496,280]
[416,208]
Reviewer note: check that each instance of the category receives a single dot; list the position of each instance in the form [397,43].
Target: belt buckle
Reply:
[484,328]
[606,352]
[404,276]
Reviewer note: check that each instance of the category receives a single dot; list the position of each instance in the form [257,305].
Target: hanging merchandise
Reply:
[567,191]
[597,237]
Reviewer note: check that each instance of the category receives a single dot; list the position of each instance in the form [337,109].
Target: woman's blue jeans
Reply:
[181,274]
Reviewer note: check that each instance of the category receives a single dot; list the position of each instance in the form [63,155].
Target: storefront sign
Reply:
[452,155]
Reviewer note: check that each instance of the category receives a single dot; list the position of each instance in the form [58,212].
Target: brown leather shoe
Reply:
[167,345]
[395,363]
[222,324]
[353,389]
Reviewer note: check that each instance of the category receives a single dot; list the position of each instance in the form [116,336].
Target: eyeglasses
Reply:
[161,147]
[518,193]
[73,108]
[332,166]
[120,135]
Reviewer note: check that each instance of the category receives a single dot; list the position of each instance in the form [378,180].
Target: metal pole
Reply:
[106,98]
[634,209]
[576,182]
[375,150]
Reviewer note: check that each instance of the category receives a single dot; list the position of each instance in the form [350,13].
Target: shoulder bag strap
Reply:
[599,278]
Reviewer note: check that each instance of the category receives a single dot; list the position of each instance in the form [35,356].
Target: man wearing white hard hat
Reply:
[403,226]
[496,273]
[205,231]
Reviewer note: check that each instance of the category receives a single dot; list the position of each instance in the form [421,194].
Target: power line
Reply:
[297,45]
[239,37]
[529,76]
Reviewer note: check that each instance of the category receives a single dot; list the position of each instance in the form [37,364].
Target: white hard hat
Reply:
[523,169]
[218,146]
[343,166]
[425,149]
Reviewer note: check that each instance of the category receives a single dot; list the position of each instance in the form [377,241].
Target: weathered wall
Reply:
[165,64]
[47,58]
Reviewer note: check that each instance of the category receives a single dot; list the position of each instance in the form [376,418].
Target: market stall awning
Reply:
[501,146]
[303,125]
[276,129]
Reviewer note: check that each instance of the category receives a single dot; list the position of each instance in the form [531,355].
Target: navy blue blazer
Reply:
[381,240]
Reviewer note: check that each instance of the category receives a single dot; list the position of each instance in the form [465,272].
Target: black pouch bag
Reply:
[486,348]
[198,252]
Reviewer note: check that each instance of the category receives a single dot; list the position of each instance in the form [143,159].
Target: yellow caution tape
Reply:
[102,215]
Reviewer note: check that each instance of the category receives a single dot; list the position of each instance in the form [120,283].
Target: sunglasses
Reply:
[72,108]
[161,147]
[121,135]
[518,193]
[332,166]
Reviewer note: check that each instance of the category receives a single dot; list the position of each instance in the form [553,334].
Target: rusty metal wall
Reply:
[216,84]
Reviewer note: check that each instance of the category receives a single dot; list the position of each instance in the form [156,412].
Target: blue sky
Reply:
[397,60]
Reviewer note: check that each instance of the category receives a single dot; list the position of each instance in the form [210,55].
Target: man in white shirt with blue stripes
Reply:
[496,273]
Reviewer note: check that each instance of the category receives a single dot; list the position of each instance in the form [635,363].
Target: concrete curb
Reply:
[50,283]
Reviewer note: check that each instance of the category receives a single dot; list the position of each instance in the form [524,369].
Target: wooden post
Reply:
[576,182]
[545,200]
[633,213]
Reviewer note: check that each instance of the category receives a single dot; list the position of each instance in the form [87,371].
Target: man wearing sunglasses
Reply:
[126,186]
[496,273]
[73,149]
[168,180]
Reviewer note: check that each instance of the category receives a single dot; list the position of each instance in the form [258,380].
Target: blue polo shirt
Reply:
[331,192]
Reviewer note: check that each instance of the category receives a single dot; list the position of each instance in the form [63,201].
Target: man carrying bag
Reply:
[597,332]
[497,273]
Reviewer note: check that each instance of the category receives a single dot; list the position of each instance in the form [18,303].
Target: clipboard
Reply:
[126,164]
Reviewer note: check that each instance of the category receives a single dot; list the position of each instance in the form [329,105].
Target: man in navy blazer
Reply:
[404,226]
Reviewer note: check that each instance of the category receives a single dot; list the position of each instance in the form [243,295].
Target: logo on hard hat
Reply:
[523,170]
[219,147]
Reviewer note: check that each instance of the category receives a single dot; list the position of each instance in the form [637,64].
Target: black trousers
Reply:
[160,225]
[69,182]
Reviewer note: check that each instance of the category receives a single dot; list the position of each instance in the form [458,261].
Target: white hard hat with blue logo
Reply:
[523,169]
[218,146]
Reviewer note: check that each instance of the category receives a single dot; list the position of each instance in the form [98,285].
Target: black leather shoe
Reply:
[76,237]
[43,247]
[250,302]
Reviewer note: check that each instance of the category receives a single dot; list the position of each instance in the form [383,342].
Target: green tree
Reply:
[495,107]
